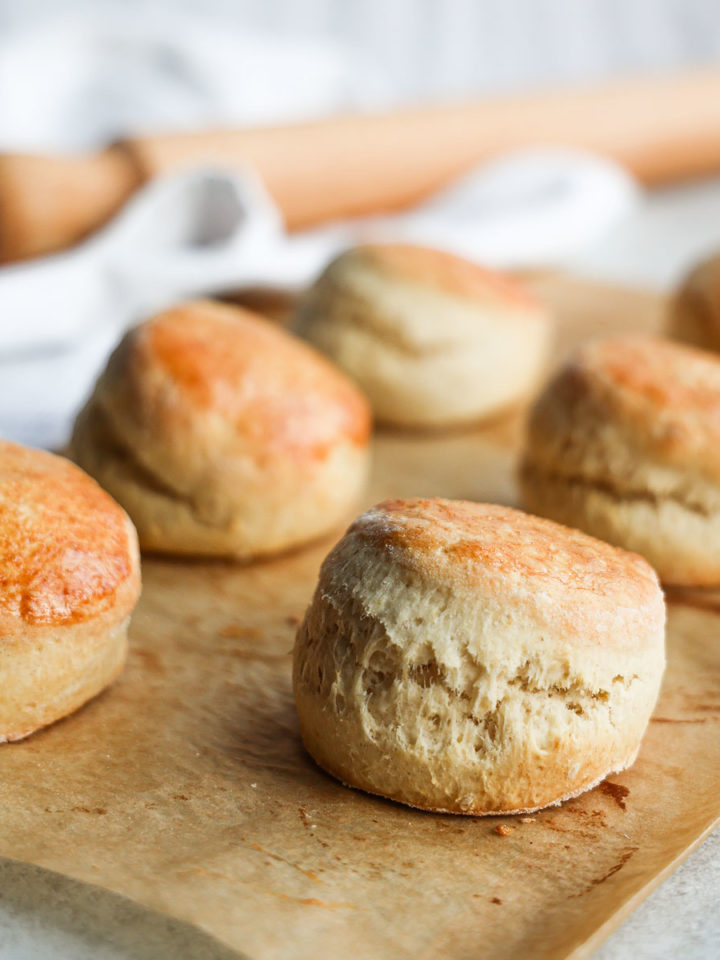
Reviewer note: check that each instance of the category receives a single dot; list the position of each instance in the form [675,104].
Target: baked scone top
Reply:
[208,360]
[438,270]
[564,573]
[664,375]
[663,397]
[67,551]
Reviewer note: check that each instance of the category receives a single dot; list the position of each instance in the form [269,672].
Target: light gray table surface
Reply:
[46,916]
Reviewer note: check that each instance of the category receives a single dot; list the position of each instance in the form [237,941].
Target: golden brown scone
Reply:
[432,339]
[69,579]
[625,444]
[223,435]
[694,315]
[468,658]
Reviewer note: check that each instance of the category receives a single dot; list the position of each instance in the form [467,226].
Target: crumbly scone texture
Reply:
[469,658]
[625,444]
[70,577]
[431,338]
[222,435]
[694,311]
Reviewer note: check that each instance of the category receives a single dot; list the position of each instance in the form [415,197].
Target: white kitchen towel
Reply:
[213,231]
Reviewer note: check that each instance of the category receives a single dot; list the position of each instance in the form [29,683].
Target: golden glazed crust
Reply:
[473,659]
[624,444]
[481,546]
[66,548]
[223,435]
[432,339]
[69,579]
[664,397]
[232,363]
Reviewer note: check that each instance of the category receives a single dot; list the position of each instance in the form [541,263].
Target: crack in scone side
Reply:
[431,674]
[358,314]
[146,478]
[371,663]
[612,491]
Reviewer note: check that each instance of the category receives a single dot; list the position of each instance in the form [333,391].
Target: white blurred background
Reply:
[75,74]
[420,49]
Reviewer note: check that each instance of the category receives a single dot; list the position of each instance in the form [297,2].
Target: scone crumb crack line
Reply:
[115,445]
[614,491]
[390,334]
[145,476]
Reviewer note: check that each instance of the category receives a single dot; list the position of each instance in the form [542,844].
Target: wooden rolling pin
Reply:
[662,128]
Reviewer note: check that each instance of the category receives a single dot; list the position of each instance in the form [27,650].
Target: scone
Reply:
[625,444]
[694,314]
[432,339]
[468,658]
[223,435]
[69,579]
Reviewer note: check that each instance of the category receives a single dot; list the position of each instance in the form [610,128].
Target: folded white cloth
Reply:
[209,231]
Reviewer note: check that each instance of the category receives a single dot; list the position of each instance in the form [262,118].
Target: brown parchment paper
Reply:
[186,788]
